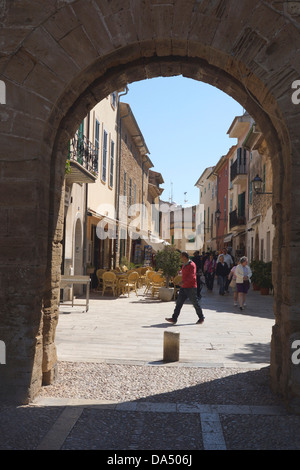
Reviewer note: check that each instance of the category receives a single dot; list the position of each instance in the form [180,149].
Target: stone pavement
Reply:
[233,410]
[131,329]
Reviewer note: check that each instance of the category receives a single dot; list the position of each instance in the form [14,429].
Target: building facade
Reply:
[235,215]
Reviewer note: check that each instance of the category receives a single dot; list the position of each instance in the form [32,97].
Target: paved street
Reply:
[132,329]
[114,393]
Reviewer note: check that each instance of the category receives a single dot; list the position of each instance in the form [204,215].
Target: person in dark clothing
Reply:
[209,272]
[198,262]
[222,272]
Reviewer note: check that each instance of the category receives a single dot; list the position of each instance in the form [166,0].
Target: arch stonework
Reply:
[58,59]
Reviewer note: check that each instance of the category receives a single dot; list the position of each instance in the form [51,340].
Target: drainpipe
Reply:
[118,173]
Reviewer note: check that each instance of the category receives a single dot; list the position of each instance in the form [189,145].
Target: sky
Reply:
[184,123]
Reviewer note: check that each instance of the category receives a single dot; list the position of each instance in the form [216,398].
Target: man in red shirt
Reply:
[188,290]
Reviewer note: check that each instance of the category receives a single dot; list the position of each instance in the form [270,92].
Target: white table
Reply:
[71,280]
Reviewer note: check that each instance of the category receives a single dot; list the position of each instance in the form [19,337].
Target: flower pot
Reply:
[165,294]
[255,286]
[264,290]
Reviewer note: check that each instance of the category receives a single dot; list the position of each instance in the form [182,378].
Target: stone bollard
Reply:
[171,346]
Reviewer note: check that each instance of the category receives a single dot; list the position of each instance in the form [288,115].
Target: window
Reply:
[80,143]
[124,189]
[97,137]
[264,178]
[113,99]
[230,205]
[112,161]
[130,192]
[225,207]
[134,195]
[250,192]
[104,156]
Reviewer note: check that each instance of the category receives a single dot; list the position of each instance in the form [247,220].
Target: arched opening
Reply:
[115,64]
[117,79]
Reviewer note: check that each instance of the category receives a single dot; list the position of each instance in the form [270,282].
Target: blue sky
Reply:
[184,123]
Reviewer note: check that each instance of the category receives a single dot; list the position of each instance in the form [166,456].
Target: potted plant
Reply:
[265,281]
[256,268]
[168,260]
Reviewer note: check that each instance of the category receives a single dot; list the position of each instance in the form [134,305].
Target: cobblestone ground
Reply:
[215,399]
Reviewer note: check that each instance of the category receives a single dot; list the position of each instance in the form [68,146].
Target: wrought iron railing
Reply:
[238,168]
[236,219]
[84,152]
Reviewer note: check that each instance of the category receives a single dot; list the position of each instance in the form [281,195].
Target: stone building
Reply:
[134,169]
[208,187]
[260,227]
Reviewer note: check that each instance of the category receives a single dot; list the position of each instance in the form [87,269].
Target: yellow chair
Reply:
[109,282]
[99,274]
[143,275]
[176,281]
[122,283]
[157,281]
[148,277]
[132,282]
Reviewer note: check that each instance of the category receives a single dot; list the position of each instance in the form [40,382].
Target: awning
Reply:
[157,243]
[228,238]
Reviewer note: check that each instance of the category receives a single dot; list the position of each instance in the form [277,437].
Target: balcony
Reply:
[239,171]
[83,158]
[237,221]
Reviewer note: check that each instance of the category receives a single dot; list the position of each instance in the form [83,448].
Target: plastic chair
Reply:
[148,277]
[176,281]
[157,281]
[143,276]
[132,282]
[122,283]
[99,274]
[109,282]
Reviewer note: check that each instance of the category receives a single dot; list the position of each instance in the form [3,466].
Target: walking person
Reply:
[229,261]
[232,283]
[209,272]
[198,262]
[243,274]
[188,290]
[222,272]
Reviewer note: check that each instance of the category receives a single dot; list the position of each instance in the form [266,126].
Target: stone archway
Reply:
[60,59]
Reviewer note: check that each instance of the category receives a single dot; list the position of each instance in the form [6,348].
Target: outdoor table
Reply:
[71,280]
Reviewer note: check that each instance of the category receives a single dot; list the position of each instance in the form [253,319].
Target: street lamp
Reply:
[257,184]
[218,214]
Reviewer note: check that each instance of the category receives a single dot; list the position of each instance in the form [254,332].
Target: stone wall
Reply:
[60,58]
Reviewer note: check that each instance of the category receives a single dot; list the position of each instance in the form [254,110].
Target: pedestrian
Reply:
[232,283]
[198,262]
[229,261]
[209,272]
[243,274]
[188,290]
[222,272]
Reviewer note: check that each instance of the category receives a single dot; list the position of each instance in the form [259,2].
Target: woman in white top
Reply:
[243,274]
